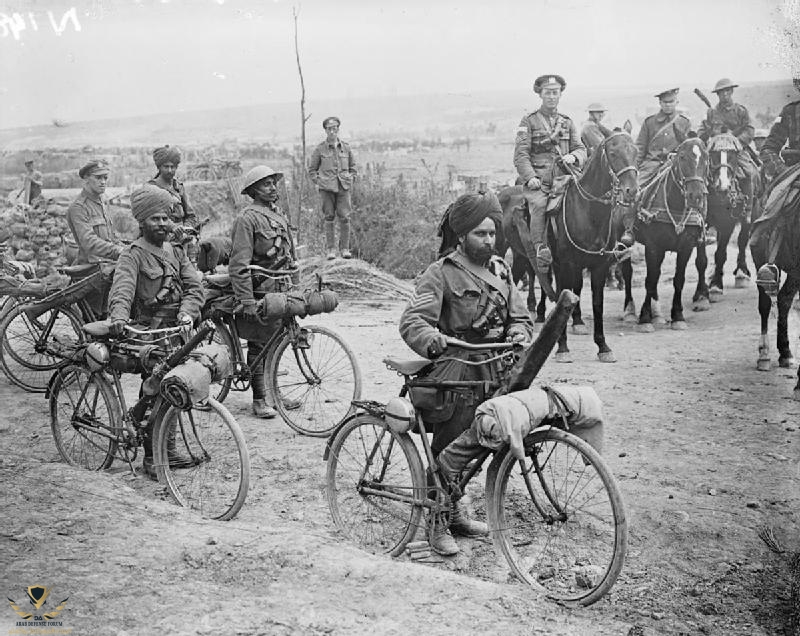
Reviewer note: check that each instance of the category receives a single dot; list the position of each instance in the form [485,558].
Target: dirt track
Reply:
[705,448]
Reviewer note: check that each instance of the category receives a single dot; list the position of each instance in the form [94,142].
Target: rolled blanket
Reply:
[297,303]
[508,419]
[215,357]
[187,384]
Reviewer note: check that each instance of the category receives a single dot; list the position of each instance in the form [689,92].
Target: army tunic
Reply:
[332,166]
[785,130]
[591,135]
[142,271]
[737,121]
[535,154]
[181,212]
[92,229]
[656,140]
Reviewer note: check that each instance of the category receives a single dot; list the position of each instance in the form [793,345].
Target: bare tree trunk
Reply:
[303,119]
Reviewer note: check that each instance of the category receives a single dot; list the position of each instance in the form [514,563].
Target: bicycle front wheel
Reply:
[25,354]
[201,455]
[314,380]
[374,485]
[84,417]
[558,517]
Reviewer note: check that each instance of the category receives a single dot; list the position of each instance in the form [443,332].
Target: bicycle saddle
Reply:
[78,270]
[218,280]
[407,367]
[97,329]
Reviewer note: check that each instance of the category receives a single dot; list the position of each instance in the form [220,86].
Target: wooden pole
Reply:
[303,119]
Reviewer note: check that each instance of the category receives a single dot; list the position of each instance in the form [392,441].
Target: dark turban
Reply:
[93,166]
[166,154]
[149,200]
[465,214]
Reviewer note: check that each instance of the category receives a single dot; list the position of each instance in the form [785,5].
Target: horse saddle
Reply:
[556,194]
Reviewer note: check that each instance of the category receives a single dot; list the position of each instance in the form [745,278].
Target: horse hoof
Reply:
[562,356]
[714,294]
[580,330]
[607,356]
[659,320]
[786,363]
[796,394]
[701,304]
[645,327]
[742,281]
[679,325]
[629,318]
[763,364]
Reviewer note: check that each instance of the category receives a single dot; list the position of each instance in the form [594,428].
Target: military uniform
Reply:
[92,229]
[182,212]
[591,135]
[451,298]
[656,140]
[153,285]
[784,132]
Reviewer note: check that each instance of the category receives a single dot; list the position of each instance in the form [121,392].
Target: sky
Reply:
[91,59]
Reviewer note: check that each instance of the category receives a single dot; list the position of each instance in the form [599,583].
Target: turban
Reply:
[469,210]
[93,166]
[149,200]
[166,154]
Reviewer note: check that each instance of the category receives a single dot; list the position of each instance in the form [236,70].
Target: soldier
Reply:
[593,132]
[260,236]
[154,281]
[657,137]
[784,132]
[332,168]
[167,160]
[547,146]
[87,217]
[32,181]
[468,294]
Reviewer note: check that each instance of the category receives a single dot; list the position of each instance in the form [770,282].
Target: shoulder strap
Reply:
[480,273]
[665,126]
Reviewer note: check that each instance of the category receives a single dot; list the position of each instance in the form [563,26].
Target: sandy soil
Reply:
[705,449]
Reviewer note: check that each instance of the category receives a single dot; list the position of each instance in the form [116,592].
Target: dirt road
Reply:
[705,449]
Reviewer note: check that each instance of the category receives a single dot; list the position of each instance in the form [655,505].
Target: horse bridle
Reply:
[683,178]
[612,197]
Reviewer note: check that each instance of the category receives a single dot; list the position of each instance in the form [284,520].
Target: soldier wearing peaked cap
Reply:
[547,142]
[657,136]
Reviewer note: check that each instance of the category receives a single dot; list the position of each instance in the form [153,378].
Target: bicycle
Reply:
[35,326]
[199,451]
[312,374]
[559,520]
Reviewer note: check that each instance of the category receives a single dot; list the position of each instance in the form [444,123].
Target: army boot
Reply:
[263,410]
[440,539]
[463,526]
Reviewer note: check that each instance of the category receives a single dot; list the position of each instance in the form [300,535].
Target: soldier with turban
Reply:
[467,294]
[167,159]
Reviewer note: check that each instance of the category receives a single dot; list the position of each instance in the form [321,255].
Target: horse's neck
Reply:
[596,178]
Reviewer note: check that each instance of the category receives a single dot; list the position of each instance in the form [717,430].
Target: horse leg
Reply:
[519,267]
[678,322]
[786,295]
[724,232]
[764,307]
[700,300]
[653,256]
[741,272]
[598,278]
[578,326]
[629,307]
[564,278]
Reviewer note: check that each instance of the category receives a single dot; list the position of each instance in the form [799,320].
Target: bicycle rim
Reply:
[21,355]
[313,387]
[366,454]
[201,455]
[83,406]
[573,548]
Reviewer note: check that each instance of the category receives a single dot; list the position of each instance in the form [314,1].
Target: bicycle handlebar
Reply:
[147,332]
[272,272]
[469,346]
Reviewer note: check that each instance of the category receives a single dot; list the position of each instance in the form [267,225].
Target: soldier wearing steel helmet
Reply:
[261,236]
[547,145]
[593,132]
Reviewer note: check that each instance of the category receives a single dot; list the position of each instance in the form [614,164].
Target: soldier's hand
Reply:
[570,159]
[250,311]
[437,345]
[519,339]
[117,328]
[534,183]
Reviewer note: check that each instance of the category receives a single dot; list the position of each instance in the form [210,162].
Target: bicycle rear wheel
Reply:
[24,355]
[561,522]
[84,417]
[314,380]
[201,455]
[374,483]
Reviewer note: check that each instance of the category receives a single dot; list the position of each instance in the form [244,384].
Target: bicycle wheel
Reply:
[314,380]
[561,522]
[24,357]
[222,335]
[201,455]
[374,485]
[84,417]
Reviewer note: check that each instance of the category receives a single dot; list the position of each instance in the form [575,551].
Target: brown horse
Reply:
[585,228]
[670,219]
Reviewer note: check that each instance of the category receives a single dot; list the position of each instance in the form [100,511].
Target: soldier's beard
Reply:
[477,253]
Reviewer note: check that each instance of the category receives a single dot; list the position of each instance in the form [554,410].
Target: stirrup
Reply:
[768,278]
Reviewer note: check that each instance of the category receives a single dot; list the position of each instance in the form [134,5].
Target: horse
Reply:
[776,240]
[729,202]
[584,230]
[670,218]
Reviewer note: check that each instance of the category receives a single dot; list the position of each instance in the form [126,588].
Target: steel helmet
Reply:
[723,84]
[596,107]
[257,173]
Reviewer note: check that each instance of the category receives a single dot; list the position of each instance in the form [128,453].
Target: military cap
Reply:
[723,84]
[327,120]
[548,81]
[29,159]
[596,107]
[667,93]
[93,166]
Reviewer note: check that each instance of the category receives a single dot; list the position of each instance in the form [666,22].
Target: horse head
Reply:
[690,171]
[617,156]
[723,157]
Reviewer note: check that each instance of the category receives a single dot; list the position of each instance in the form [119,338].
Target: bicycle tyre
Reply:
[375,524]
[577,560]
[201,456]
[222,335]
[314,406]
[22,364]
[77,397]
